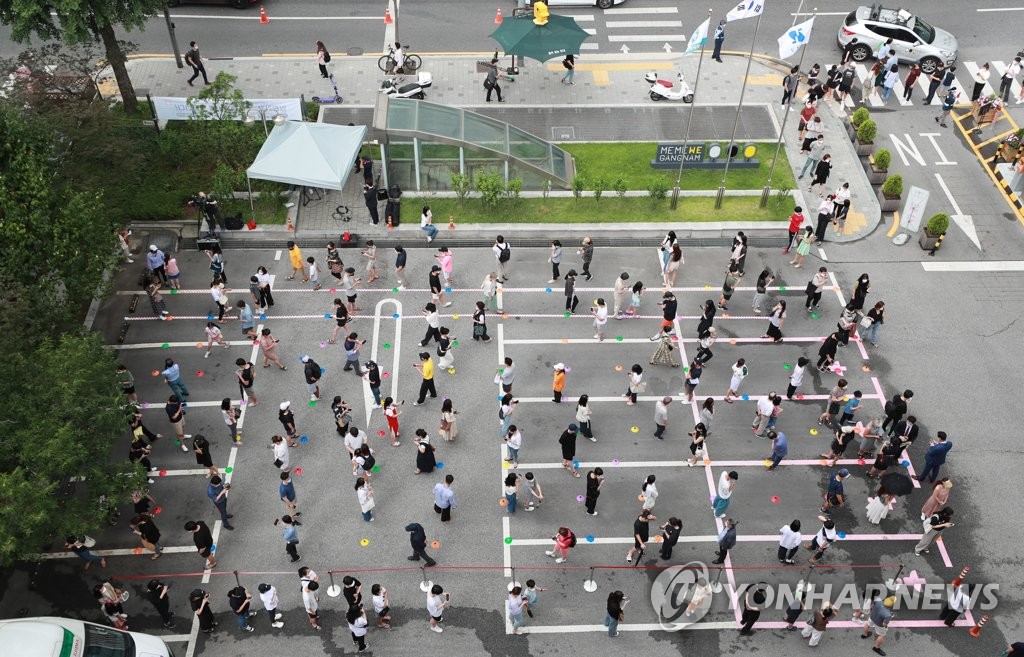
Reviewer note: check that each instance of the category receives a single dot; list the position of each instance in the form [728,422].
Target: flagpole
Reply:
[798,10]
[689,118]
[782,130]
[736,122]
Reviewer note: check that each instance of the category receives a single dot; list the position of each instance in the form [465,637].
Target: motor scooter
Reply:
[667,90]
[393,87]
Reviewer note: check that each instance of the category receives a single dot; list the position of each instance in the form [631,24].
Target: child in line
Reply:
[382,606]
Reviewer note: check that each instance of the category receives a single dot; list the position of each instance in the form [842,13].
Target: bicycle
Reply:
[387,62]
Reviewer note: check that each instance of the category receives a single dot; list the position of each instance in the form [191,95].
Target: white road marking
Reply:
[647,37]
[619,11]
[117,552]
[973,68]
[255,18]
[395,349]
[642,24]
[993,9]
[277,256]
[821,254]
[972,266]
[964,221]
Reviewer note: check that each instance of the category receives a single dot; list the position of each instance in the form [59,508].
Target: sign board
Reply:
[704,155]
[669,155]
[177,109]
[913,209]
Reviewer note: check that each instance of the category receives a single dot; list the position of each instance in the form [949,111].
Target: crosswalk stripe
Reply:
[641,10]
[579,17]
[642,24]
[589,46]
[589,30]
[998,68]
[616,38]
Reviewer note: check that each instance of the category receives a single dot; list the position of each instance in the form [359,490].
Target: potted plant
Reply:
[985,109]
[933,232]
[892,190]
[866,132]
[860,115]
[1010,148]
[879,166]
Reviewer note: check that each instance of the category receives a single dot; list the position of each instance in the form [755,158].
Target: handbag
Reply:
[445,425]
[478,332]
[368,505]
[866,322]
[278,463]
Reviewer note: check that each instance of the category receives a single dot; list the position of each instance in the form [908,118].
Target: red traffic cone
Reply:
[498,18]
[387,16]
[976,630]
[263,16]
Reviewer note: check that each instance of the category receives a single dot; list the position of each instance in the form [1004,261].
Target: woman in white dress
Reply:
[879,506]
[648,493]
[449,428]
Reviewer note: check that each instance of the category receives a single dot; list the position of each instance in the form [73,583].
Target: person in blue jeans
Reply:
[217,491]
[172,375]
[511,490]
[877,317]
[617,601]
[77,545]
[427,225]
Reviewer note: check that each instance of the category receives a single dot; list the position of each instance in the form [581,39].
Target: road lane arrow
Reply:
[964,221]
[624,49]
[667,47]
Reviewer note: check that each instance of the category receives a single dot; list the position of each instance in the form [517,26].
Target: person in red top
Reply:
[908,84]
[564,540]
[795,220]
[806,114]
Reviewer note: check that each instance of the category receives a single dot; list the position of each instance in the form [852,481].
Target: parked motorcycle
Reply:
[390,87]
[667,90]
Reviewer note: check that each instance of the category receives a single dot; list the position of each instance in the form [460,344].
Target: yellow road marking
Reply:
[855,221]
[984,164]
[614,66]
[895,223]
[600,78]
[765,80]
[998,137]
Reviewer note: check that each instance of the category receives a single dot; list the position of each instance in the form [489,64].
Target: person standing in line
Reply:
[266,293]
[287,420]
[815,153]
[878,621]
[199,601]
[877,317]
[567,442]
[220,298]
[726,541]
[934,80]
[691,381]
[697,439]
[827,353]
[296,261]
[268,344]
[790,84]
[502,254]
[240,601]
[555,258]
[510,489]
[569,64]
[765,278]
[666,248]
[851,407]
[217,491]
[449,425]
[175,409]
[246,318]
[444,498]
[314,272]
[231,413]
[707,414]
[663,352]
[821,541]
[751,608]
[780,448]
[739,372]
[895,409]
[661,413]
[157,592]
[507,375]
[446,260]
[357,622]
[803,247]
[641,534]
[732,278]
[934,458]
[634,384]
[201,447]
[834,495]
[789,542]
[586,254]
[490,288]
[614,610]
[670,536]
[429,312]
[149,534]
[669,306]
[532,595]
[649,493]
[814,288]
[933,527]
[381,605]
[513,443]
[418,541]
[172,376]
[535,495]
[312,372]
[349,281]
[311,601]
[506,407]
[600,313]
[401,258]
[812,130]
[947,81]
[815,628]
[821,174]
[595,482]
[911,81]
[203,540]
[1009,75]
[564,541]
[286,490]
[437,602]
[719,41]
[571,300]
[156,261]
[726,486]
[776,321]
[291,536]
[195,60]
[892,76]
[825,213]
[948,102]
[268,594]
[619,294]
[426,370]
[797,377]
[806,115]
[558,383]
[126,380]
[352,589]
[675,260]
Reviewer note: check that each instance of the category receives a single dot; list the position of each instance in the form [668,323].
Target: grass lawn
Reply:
[631,161]
[609,210]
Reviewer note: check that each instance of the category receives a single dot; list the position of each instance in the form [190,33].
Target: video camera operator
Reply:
[207,205]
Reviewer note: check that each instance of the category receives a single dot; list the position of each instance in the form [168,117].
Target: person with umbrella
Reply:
[890,487]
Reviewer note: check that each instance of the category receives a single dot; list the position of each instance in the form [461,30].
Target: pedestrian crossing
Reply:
[625,26]
[964,84]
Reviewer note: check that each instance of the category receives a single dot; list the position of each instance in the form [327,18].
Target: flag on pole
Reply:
[699,37]
[745,9]
[796,36]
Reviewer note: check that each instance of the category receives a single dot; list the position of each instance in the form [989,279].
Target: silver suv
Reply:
[913,39]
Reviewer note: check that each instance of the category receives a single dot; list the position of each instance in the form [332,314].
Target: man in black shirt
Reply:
[670,536]
[373,377]
[370,196]
[641,534]
[668,305]
[195,60]
[240,601]
[203,540]
[400,260]
[595,480]
[313,374]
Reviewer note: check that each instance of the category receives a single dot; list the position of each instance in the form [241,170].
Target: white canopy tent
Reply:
[308,154]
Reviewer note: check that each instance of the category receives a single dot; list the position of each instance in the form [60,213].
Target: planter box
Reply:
[1009,153]
[983,113]
[851,130]
[864,149]
[927,240]
[876,176]
[888,204]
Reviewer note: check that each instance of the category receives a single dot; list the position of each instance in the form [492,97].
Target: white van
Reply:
[47,636]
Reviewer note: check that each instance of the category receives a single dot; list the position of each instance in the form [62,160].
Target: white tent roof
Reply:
[309,154]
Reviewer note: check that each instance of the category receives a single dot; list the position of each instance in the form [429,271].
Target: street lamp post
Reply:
[174,39]
[689,119]
[249,120]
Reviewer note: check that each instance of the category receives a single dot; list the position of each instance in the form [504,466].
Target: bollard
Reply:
[333,590]
[237,582]
[976,630]
[716,586]
[766,191]
[891,583]
[426,584]
[134,303]
[512,584]
[590,585]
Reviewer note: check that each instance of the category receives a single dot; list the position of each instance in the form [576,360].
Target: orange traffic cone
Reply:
[976,630]
[498,18]
[451,222]
[263,16]
[387,16]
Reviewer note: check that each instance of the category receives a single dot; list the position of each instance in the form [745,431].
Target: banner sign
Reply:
[177,109]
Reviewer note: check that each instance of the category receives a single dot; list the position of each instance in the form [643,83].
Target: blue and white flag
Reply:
[699,37]
[796,36]
[745,9]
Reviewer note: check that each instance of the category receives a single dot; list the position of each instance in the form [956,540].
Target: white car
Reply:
[47,636]
[603,4]
[914,40]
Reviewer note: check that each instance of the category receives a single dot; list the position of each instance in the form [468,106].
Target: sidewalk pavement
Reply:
[602,81]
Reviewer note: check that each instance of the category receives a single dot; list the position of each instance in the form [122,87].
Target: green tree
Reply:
[83,21]
[63,414]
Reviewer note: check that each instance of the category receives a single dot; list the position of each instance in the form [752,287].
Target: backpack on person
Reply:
[572,539]
[565,63]
[506,254]
[488,85]
[327,57]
